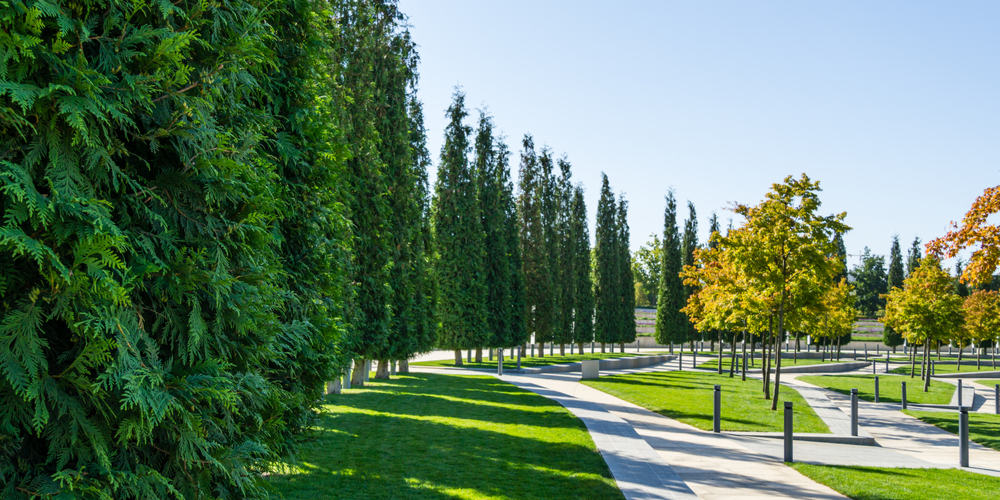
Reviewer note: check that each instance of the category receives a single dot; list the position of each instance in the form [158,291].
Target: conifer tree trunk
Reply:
[602,347]
[404,366]
[541,349]
[562,349]
[479,355]
[458,357]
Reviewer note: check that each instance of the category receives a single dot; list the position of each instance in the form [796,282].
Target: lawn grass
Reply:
[942,367]
[688,397]
[532,362]
[437,437]
[990,382]
[879,483]
[890,390]
[714,363]
[984,428]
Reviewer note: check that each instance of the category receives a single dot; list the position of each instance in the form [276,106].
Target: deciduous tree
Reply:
[975,231]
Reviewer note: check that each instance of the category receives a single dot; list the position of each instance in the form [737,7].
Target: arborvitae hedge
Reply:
[158,163]
[607,293]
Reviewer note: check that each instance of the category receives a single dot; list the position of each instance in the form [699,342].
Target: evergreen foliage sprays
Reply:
[689,243]
[546,305]
[671,323]
[890,336]
[626,285]
[493,179]
[841,253]
[459,240]
[607,269]
[162,171]
[563,279]
[583,308]
[534,254]
[517,326]
[913,257]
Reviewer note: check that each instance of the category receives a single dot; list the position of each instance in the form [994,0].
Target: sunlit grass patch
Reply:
[878,483]
[890,389]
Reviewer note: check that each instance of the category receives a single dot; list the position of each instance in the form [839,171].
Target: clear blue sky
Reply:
[893,106]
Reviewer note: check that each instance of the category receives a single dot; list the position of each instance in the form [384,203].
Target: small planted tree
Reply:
[925,309]
[982,318]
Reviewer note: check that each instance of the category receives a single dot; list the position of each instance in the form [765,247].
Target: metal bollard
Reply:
[500,361]
[960,393]
[996,398]
[887,362]
[876,389]
[694,362]
[904,395]
[680,359]
[519,353]
[873,366]
[717,410]
[963,436]
[854,412]
[788,431]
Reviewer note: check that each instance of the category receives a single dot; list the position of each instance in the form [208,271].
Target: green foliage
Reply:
[583,308]
[894,279]
[607,282]
[689,243]
[534,254]
[646,271]
[671,323]
[565,289]
[870,283]
[913,257]
[495,205]
[626,283]
[167,178]
[459,239]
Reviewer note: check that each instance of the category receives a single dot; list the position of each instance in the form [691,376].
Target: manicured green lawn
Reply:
[889,391]
[688,397]
[714,363]
[944,367]
[878,483]
[984,428]
[990,382]
[424,436]
[547,360]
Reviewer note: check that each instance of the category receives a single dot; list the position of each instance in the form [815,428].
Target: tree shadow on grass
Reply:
[382,447]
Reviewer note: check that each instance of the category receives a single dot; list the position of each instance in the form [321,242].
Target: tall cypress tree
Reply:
[534,254]
[362,53]
[626,287]
[607,283]
[546,305]
[670,321]
[891,337]
[518,328]
[566,247]
[459,240]
[492,211]
[913,257]
[689,244]
[583,307]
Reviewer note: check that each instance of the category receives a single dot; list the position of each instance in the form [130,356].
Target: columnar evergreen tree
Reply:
[671,323]
[891,337]
[493,214]
[841,254]
[565,289]
[534,255]
[583,308]
[689,243]
[547,306]
[363,52]
[516,322]
[626,286]
[870,283]
[607,269]
[459,240]
[914,257]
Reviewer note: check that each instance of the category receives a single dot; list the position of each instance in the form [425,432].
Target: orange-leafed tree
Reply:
[974,232]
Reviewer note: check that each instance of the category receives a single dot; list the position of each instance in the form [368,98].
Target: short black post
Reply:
[996,398]
[788,431]
[694,361]
[470,355]
[963,436]
[680,359]
[887,362]
[959,393]
[854,412]
[717,410]
[873,366]
[876,389]
[904,395]
[519,349]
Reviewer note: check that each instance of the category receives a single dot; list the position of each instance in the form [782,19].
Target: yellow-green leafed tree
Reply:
[926,308]
[833,317]
[982,317]
[717,303]
[784,249]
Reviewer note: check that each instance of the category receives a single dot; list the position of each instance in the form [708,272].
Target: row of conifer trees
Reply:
[209,209]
